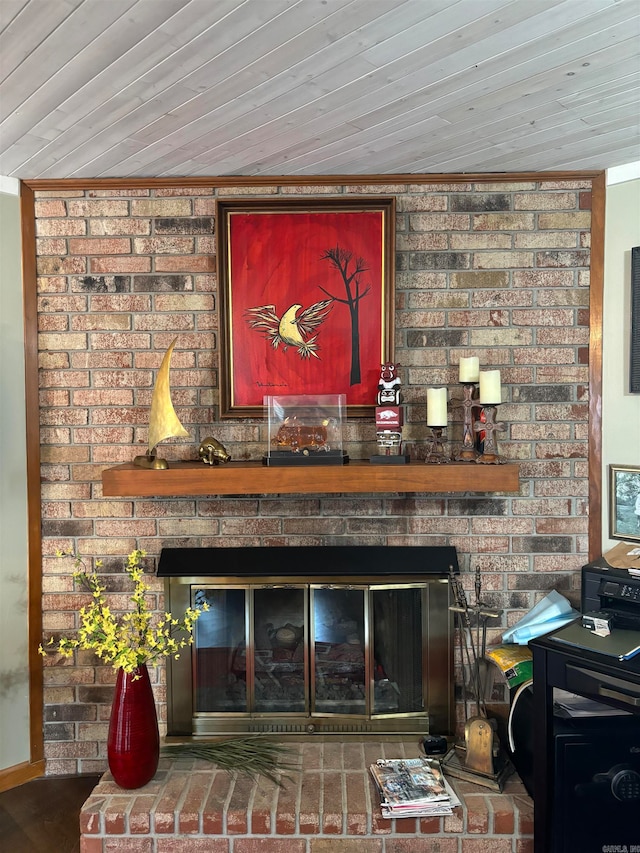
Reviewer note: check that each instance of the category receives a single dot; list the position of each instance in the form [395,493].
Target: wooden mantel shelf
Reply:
[249,478]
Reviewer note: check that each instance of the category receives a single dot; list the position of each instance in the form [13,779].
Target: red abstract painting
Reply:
[306,300]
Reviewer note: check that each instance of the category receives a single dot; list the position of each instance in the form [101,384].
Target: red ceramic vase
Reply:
[133,745]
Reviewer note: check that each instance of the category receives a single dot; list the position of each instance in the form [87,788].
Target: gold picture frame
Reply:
[306,290]
[624,502]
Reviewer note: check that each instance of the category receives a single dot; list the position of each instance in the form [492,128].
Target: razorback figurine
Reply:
[389,417]
[212,452]
[389,385]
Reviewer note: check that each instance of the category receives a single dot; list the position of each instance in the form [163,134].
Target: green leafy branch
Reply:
[254,755]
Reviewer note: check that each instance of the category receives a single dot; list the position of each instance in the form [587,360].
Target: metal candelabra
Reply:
[489,455]
[436,452]
[467,452]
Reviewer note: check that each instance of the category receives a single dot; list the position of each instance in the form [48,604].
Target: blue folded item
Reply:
[521,636]
[552,612]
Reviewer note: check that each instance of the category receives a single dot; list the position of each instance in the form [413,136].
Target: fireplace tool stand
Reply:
[480,759]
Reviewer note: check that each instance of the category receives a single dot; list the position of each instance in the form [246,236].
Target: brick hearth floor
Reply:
[329,805]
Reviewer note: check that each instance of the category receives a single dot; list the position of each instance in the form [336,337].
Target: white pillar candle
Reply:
[469,369]
[436,407]
[490,390]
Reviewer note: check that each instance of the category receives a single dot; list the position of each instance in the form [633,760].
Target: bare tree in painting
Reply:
[354,291]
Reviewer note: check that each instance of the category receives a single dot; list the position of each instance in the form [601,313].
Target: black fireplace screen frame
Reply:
[332,560]
[373,567]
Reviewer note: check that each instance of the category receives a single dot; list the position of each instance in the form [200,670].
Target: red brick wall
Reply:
[499,270]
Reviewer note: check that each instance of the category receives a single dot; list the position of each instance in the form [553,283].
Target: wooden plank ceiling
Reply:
[119,88]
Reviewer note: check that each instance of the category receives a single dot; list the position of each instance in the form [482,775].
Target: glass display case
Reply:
[305,429]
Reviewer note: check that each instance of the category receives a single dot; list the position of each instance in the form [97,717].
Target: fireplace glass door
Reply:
[338,650]
[280,664]
[309,652]
[399,618]
[220,651]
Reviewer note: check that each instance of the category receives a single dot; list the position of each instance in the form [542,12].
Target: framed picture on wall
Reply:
[624,502]
[634,368]
[306,299]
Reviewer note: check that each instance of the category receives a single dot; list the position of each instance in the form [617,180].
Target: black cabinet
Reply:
[596,778]
[586,781]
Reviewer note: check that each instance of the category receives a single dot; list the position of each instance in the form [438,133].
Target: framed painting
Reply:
[624,502]
[306,292]
[634,372]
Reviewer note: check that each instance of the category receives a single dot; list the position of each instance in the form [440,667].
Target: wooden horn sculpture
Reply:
[163,421]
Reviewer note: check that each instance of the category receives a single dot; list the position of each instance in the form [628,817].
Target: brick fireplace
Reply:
[494,266]
[328,806]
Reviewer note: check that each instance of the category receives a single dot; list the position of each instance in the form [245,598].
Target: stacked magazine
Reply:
[413,787]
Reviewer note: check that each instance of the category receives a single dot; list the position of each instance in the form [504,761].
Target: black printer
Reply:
[614,593]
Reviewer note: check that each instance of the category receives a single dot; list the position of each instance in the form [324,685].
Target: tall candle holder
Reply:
[436,452]
[467,452]
[437,421]
[490,456]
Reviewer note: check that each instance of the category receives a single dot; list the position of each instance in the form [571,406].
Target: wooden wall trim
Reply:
[11,777]
[31,352]
[34,501]
[596,299]
[303,180]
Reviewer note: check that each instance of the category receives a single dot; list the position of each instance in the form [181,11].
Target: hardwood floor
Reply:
[42,816]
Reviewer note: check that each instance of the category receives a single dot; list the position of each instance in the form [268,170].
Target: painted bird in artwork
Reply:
[292,329]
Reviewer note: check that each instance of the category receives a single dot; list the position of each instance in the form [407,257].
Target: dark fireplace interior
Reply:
[312,640]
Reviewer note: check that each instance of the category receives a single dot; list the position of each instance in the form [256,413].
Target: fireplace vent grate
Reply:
[335,728]
[271,728]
